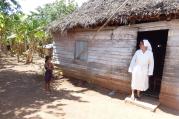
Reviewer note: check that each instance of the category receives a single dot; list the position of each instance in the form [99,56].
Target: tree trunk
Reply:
[30,52]
[18,52]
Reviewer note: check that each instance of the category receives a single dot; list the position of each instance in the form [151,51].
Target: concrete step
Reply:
[145,102]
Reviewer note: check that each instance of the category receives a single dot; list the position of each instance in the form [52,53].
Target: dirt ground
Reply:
[22,97]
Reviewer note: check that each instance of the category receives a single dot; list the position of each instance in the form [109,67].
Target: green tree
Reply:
[44,16]
[22,30]
[9,6]
[56,10]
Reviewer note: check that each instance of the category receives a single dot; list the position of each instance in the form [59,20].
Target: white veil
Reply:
[147,44]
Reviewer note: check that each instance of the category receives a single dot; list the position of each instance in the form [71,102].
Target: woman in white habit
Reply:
[141,67]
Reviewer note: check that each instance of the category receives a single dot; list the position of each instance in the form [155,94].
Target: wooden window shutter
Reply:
[81,50]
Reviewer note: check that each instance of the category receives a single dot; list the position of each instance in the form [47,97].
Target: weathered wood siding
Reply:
[63,50]
[170,84]
[169,94]
[110,53]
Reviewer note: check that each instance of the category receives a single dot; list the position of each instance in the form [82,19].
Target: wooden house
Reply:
[104,60]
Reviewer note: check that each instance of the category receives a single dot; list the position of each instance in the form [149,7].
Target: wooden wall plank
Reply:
[169,95]
[108,57]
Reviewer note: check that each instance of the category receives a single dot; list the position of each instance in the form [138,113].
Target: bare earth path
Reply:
[22,97]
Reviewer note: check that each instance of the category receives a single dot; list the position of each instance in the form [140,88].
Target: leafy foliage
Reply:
[19,29]
[9,6]
[53,11]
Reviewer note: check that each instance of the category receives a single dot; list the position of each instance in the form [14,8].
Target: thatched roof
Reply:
[96,12]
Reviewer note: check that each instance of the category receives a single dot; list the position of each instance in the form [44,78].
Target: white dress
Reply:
[142,66]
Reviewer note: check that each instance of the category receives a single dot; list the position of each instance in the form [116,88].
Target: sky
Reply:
[31,5]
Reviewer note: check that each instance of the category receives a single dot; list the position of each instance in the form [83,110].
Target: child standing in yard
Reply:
[48,73]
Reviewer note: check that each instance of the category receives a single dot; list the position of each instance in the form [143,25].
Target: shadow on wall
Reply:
[22,97]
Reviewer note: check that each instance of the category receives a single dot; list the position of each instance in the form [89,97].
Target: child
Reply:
[48,73]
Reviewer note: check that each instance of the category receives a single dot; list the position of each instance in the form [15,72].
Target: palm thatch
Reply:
[96,12]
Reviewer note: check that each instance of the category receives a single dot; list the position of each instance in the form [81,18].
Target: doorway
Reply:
[158,40]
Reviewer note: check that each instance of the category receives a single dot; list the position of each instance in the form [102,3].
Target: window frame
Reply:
[85,48]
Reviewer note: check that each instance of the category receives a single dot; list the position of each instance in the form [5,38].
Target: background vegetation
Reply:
[23,35]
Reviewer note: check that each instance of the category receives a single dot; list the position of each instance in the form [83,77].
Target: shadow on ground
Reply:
[117,95]
[97,88]
[22,95]
[168,110]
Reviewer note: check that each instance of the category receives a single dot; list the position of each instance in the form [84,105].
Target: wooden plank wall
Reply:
[169,94]
[170,84]
[109,55]
[111,52]
[63,50]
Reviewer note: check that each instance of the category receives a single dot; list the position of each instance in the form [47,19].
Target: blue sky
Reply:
[31,5]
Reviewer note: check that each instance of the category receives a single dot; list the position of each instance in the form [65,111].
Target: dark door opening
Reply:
[158,40]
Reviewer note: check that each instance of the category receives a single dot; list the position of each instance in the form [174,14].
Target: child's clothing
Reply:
[48,73]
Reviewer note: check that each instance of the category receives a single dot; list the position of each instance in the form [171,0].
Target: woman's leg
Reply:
[133,94]
[138,93]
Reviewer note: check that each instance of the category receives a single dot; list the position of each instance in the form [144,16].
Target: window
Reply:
[81,50]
